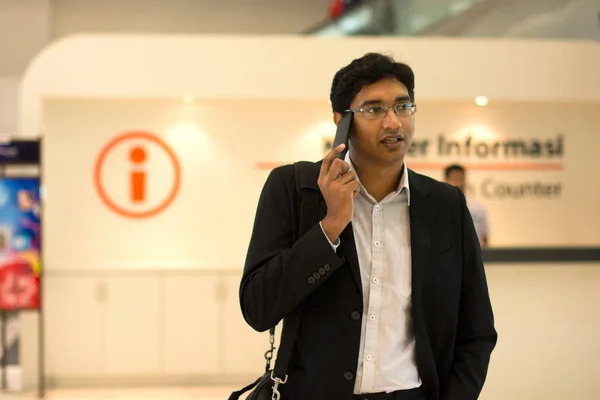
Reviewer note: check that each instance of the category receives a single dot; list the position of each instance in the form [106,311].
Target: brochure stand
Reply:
[21,264]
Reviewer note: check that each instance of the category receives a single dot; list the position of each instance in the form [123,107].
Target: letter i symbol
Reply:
[137,156]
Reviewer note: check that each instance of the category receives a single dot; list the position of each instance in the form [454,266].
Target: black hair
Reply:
[453,167]
[370,68]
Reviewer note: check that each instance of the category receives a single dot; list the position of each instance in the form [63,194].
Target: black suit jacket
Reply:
[452,314]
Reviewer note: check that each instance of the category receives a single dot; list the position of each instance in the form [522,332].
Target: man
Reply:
[455,175]
[400,309]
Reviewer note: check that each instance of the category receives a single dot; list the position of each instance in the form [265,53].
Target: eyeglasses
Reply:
[379,110]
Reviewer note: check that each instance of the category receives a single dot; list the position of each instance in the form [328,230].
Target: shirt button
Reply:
[372,318]
[376,244]
[311,280]
[375,280]
[355,315]
[327,267]
[348,375]
[369,357]
[377,207]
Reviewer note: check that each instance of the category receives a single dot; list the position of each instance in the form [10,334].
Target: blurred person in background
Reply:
[455,175]
[389,278]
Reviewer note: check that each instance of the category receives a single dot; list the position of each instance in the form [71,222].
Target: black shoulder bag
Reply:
[266,387]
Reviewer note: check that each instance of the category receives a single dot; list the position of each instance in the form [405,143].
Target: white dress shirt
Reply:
[480,220]
[382,234]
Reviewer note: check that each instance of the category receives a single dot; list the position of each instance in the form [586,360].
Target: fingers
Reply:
[349,184]
[347,177]
[354,186]
[330,158]
[338,168]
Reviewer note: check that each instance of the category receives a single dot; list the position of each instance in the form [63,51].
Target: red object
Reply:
[19,286]
[336,8]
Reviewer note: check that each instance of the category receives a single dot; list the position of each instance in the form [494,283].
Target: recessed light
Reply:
[481,101]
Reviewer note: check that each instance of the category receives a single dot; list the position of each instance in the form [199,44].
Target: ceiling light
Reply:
[481,100]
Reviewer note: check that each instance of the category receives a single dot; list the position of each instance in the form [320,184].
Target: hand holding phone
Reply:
[339,186]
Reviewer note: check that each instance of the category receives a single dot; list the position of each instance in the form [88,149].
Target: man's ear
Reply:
[337,117]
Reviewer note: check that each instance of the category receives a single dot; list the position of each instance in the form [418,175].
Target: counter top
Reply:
[540,254]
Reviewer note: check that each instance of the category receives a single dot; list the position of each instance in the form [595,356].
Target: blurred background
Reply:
[136,135]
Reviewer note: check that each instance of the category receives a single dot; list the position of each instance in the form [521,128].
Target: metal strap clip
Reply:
[276,395]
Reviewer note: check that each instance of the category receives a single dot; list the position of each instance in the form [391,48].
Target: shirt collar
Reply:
[403,184]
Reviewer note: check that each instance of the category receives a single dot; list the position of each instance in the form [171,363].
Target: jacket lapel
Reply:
[348,249]
[422,215]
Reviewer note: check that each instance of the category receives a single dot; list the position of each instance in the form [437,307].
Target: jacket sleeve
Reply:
[279,274]
[476,335]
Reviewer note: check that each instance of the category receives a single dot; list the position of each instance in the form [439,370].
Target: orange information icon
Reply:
[138,176]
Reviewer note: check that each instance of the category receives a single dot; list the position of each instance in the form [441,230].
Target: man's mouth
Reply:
[392,139]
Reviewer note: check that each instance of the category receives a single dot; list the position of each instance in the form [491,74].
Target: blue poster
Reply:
[19,243]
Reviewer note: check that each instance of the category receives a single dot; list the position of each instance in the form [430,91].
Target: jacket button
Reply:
[348,375]
[316,275]
[322,271]
[327,267]
[311,280]
[355,315]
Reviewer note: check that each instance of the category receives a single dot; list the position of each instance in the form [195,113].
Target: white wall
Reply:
[24,30]
[91,266]
[25,27]
[9,91]
[217,144]
[220,144]
[470,68]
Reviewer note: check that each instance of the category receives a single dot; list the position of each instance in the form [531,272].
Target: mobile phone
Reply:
[343,133]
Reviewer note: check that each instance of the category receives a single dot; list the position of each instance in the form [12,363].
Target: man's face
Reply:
[456,178]
[384,140]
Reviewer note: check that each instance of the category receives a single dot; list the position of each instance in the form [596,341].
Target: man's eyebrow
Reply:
[369,102]
[377,101]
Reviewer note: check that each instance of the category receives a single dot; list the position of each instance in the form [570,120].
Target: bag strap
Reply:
[236,395]
[309,214]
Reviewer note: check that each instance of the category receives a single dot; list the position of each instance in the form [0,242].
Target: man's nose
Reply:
[390,120]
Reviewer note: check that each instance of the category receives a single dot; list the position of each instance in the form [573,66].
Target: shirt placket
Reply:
[375,295]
